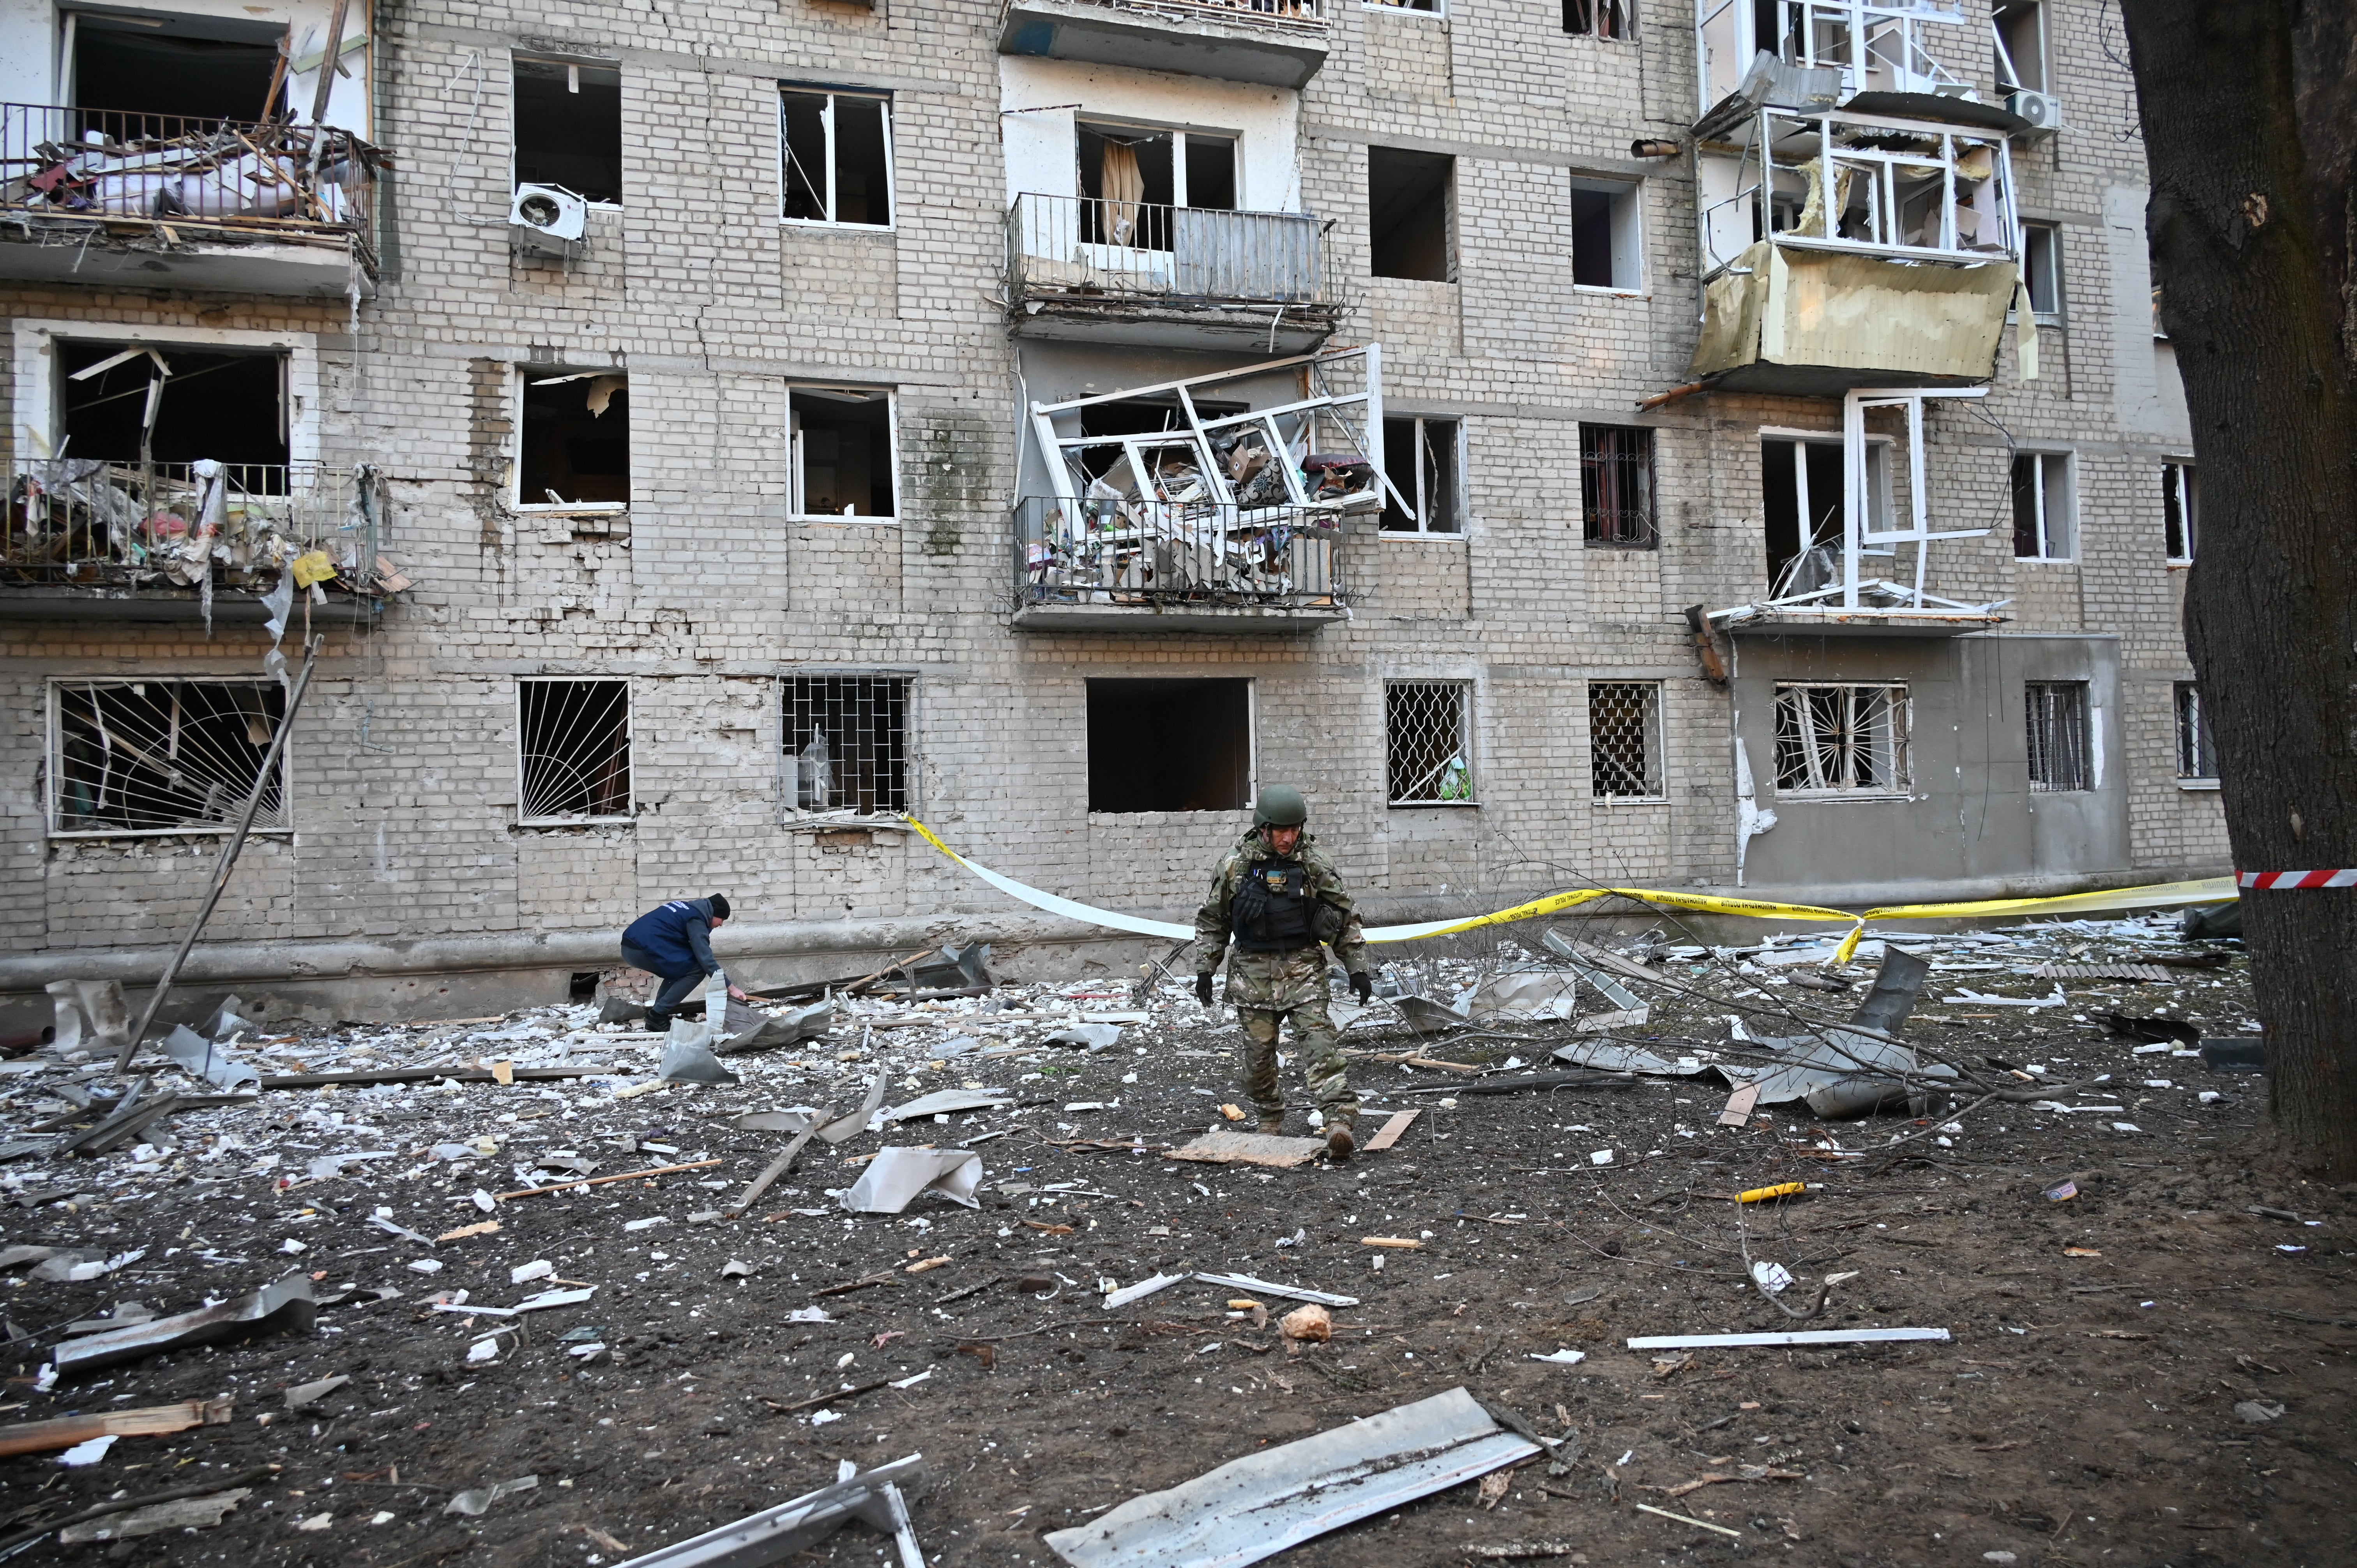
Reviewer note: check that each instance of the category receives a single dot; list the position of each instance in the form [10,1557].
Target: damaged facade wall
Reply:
[705,593]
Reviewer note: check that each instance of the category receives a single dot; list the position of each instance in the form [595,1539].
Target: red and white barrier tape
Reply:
[2297,878]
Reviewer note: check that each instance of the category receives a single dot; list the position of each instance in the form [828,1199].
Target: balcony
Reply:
[1150,566]
[1088,268]
[136,200]
[1275,43]
[89,541]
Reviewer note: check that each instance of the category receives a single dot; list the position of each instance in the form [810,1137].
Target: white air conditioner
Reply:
[2042,110]
[548,220]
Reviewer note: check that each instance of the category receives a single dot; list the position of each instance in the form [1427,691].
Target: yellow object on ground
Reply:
[1782,1190]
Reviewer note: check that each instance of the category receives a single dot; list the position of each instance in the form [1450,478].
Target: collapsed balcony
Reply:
[118,198]
[1275,43]
[88,540]
[1085,267]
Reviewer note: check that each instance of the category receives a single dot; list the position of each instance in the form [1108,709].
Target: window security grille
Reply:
[1616,485]
[1841,740]
[1624,739]
[164,755]
[846,739]
[2197,754]
[1425,731]
[574,751]
[2057,715]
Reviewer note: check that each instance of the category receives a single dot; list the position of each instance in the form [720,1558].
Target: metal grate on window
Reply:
[151,756]
[2057,715]
[2197,754]
[574,750]
[1616,485]
[1425,736]
[846,739]
[1624,739]
[1841,739]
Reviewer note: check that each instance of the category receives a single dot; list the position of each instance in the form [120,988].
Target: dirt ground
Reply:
[2084,1409]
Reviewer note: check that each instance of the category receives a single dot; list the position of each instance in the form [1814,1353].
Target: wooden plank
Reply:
[1391,1130]
[1739,1106]
[154,1420]
[426,1075]
[1221,1147]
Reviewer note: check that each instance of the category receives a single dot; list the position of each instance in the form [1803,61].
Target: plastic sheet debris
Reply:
[302,1396]
[836,1131]
[1093,1037]
[2234,1056]
[1115,1300]
[475,1503]
[1246,1285]
[896,1177]
[1525,993]
[687,1059]
[1561,1357]
[1258,1505]
[1218,1146]
[2212,922]
[749,1029]
[88,1453]
[286,1306]
[2256,1412]
[878,1498]
[1772,1278]
[2152,1031]
[154,1420]
[201,1058]
[91,1016]
[155,1519]
[1611,1056]
[1426,1016]
[1795,1336]
[948,1102]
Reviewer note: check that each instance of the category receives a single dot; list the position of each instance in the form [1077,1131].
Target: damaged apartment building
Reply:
[1684,444]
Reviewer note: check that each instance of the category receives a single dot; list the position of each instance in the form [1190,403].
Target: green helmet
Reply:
[1280,806]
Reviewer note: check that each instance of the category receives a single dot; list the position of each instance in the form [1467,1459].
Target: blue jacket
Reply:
[678,934]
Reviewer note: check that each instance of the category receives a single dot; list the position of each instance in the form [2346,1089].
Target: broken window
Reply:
[158,67]
[573,440]
[1427,738]
[1841,739]
[1429,7]
[573,752]
[1169,745]
[838,156]
[2180,500]
[568,126]
[1801,479]
[1606,223]
[2045,524]
[2056,712]
[2041,269]
[846,743]
[164,757]
[1420,459]
[1410,214]
[1624,739]
[130,402]
[1616,485]
[841,459]
[2020,33]
[1600,18]
[2197,754]
[1132,177]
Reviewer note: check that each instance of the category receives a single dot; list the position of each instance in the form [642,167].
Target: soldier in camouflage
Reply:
[1277,899]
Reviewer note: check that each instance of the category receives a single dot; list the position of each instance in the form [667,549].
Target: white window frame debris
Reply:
[826,119]
[1657,770]
[630,753]
[1462,757]
[2181,487]
[792,812]
[797,500]
[61,690]
[1895,723]
[2054,481]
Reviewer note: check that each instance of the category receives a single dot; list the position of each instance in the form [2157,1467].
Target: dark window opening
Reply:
[191,68]
[2057,715]
[1624,739]
[2041,268]
[568,127]
[1425,743]
[1211,172]
[2022,41]
[574,750]
[166,403]
[1138,416]
[1604,236]
[846,739]
[1169,745]
[838,157]
[160,756]
[1420,461]
[2196,753]
[583,985]
[2044,528]
[1409,216]
[841,451]
[1616,485]
[1800,497]
[574,444]
[1600,18]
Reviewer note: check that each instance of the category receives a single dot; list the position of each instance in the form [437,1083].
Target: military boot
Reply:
[1272,1124]
[1339,1142]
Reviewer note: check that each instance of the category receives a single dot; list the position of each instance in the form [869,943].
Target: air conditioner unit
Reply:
[548,220]
[2042,110]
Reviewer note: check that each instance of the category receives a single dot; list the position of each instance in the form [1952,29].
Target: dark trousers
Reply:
[676,988]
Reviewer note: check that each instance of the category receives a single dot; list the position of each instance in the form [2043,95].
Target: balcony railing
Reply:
[83,522]
[1165,555]
[1306,17]
[219,178]
[1082,249]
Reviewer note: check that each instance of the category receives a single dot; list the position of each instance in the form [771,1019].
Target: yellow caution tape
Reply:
[2212,890]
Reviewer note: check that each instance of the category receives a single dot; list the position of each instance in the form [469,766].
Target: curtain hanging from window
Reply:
[1123,184]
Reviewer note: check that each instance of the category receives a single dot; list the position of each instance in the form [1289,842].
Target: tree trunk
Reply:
[2249,109]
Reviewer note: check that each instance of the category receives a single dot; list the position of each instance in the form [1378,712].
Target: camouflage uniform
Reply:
[1268,987]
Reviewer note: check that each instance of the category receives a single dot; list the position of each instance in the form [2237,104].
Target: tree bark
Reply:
[2249,109]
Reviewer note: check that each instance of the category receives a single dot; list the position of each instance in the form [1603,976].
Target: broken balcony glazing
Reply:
[1875,46]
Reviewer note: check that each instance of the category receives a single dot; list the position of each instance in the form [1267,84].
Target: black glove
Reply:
[1362,987]
[1203,988]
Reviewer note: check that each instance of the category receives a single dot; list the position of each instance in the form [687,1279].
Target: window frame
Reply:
[2040,735]
[891,162]
[1589,10]
[630,752]
[2066,463]
[2189,717]
[795,483]
[572,63]
[1656,744]
[53,762]
[1898,696]
[1628,223]
[1437,10]
[1588,512]
[792,813]
[1464,690]
[1881,457]
[522,377]
[2181,489]
[1459,491]
[2052,314]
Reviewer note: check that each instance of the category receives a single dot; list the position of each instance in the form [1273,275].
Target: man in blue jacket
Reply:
[674,939]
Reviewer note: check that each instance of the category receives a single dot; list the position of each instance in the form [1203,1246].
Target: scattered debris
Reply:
[304,1396]
[1797,1336]
[2155,1031]
[1218,1146]
[1390,1132]
[287,1305]
[189,1513]
[474,1503]
[879,1497]
[155,1421]
[1310,1324]
[896,1175]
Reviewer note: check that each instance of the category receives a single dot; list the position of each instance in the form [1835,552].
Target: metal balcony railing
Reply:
[222,178]
[84,522]
[1067,249]
[1297,16]
[1166,554]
